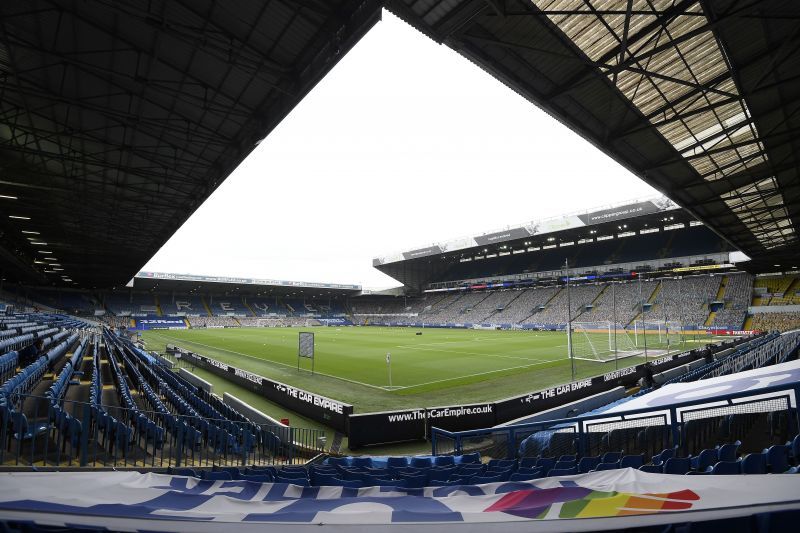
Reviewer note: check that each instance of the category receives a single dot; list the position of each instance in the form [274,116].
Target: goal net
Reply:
[606,341]
[660,337]
[602,342]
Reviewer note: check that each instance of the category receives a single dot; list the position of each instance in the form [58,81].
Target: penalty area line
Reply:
[483,373]
[275,363]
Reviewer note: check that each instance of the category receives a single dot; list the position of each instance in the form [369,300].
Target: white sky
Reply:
[403,144]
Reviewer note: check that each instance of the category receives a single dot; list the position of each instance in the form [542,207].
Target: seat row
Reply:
[8,365]
[68,427]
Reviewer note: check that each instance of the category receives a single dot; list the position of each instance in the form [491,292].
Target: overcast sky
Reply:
[403,144]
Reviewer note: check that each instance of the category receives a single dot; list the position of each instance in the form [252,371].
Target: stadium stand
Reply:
[527,303]
[681,242]
[266,307]
[228,305]
[70,301]
[131,303]
[776,321]
[738,293]
[777,290]
[183,305]
[214,322]
[687,300]
[627,296]
[751,429]
[555,310]
[487,310]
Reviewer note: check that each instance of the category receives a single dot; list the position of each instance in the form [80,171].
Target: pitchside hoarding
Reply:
[325,410]
[160,323]
[414,424]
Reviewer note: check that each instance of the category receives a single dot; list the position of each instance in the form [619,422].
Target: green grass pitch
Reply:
[439,367]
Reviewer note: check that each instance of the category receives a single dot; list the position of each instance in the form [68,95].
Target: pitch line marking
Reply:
[472,353]
[379,387]
[481,373]
[455,342]
[274,362]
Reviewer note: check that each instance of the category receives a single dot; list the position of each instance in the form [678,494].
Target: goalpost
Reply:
[659,336]
[602,342]
[605,341]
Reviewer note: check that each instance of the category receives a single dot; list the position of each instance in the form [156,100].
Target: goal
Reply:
[606,341]
[602,342]
[659,336]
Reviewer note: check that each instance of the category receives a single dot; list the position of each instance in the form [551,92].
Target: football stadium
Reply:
[631,366]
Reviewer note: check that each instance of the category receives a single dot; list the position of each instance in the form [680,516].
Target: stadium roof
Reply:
[185,283]
[417,268]
[118,119]
[700,98]
[646,210]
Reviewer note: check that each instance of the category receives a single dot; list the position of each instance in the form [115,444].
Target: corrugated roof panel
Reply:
[667,72]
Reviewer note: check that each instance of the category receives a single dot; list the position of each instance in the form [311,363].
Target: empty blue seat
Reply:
[527,462]
[340,461]
[444,460]
[303,482]
[778,459]
[705,458]
[606,466]
[563,471]
[677,465]
[440,475]
[795,447]
[503,463]
[726,468]
[232,470]
[320,479]
[471,458]
[414,481]
[519,476]
[23,430]
[546,463]
[587,464]
[349,483]
[479,480]
[496,472]
[728,452]
[261,471]
[528,472]
[182,472]
[399,483]
[653,469]
[361,462]
[292,474]
[215,476]
[631,461]
[397,462]
[257,478]
[611,457]
[421,462]
[754,463]
[564,464]
[662,457]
